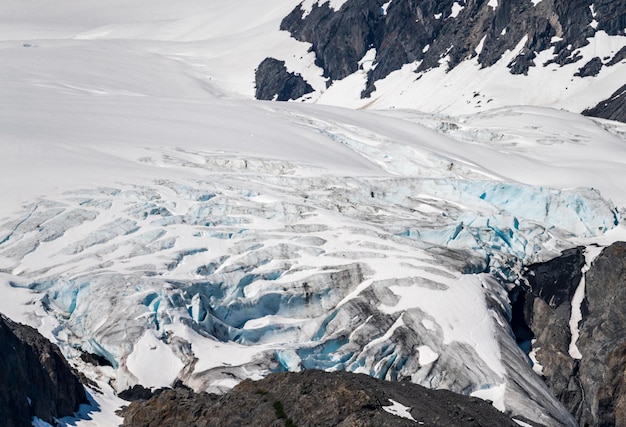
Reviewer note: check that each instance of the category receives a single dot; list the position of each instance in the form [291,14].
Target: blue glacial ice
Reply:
[310,280]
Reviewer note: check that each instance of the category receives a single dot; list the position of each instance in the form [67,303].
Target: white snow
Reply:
[426,355]
[481,43]
[100,412]
[385,6]
[307,5]
[576,316]
[495,393]
[493,4]
[462,300]
[399,410]
[456,9]
[537,367]
[428,324]
[153,363]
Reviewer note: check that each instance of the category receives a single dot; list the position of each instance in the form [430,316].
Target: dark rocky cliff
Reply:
[602,341]
[313,398]
[593,387]
[35,378]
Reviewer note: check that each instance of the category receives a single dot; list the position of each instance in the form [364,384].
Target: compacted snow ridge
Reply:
[155,215]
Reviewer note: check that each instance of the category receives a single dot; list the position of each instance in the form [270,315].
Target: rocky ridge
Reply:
[314,398]
[613,108]
[274,82]
[35,378]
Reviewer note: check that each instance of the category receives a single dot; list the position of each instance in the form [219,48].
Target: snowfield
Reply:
[153,214]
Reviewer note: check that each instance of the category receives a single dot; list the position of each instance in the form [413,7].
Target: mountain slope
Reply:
[459,56]
[153,211]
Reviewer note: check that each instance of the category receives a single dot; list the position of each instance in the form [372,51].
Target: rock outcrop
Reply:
[613,108]
[35,378]
[274,82]
[315,398]
[593,386]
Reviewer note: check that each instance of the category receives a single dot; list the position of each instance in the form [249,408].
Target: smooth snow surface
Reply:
[156,216]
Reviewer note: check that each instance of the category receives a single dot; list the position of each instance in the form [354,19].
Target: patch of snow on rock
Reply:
[456,9]
[399,410]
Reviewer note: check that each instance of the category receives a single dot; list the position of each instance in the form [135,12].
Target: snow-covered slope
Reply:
[155,217]
[454,57]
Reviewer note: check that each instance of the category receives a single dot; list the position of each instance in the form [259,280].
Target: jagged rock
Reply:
[613,108]
[611,16]
[136,392]
[95,359]
[547,312]
[273,81]
[177,407]
[430,30]
[593,387]
[602,341]
[339,39]
[314,398]
[591,68]
[620,55]
[555,281]
[35,378]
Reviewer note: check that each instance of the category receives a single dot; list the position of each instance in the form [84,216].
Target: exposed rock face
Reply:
[313,398]
[35,378]
[273,81]
[602,341]
[177,407]
[547,311]
[593,388]
[339,39]
[405,31]
[613,108]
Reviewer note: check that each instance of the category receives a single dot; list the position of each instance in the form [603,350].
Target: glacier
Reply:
[153,215]
[240,275]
